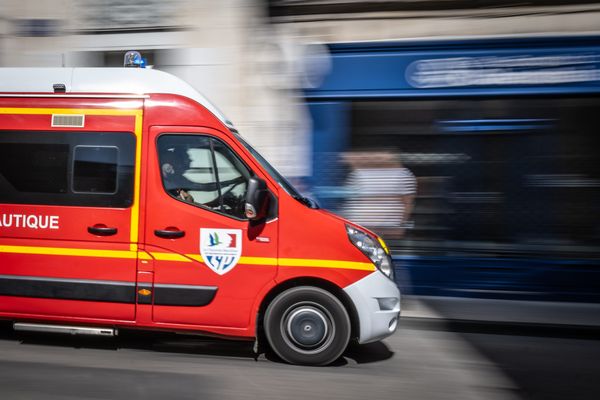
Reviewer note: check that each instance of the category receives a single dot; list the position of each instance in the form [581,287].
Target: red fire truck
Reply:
[127,200]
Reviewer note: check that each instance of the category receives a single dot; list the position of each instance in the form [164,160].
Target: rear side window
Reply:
[95,169]
[67,168]
[33,167]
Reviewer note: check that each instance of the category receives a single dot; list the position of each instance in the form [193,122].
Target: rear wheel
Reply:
[307,325]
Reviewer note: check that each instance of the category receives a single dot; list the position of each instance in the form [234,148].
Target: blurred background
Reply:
[465,132]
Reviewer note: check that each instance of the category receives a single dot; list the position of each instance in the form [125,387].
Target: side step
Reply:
[72,330]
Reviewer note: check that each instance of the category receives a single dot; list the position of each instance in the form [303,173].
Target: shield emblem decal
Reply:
[221,249]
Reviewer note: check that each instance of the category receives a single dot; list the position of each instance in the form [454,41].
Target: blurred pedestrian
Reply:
[381,192]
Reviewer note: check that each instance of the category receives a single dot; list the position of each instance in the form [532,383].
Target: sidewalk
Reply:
[501,311]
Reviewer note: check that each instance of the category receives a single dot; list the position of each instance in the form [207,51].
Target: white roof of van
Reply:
[101,80]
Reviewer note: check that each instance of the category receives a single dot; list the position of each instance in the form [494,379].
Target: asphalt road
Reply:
[421,361]
[544,364]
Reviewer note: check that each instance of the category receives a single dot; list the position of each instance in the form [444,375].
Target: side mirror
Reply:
[257,199]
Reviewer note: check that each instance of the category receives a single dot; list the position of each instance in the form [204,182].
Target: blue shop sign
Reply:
[493,66]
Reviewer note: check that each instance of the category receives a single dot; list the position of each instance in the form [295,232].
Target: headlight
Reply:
[373,249]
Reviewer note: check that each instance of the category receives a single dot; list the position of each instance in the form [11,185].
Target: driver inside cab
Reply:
[170,181]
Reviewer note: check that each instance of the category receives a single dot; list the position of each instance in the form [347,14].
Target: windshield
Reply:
[284,183]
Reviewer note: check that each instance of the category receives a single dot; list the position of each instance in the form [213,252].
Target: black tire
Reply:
[308,326]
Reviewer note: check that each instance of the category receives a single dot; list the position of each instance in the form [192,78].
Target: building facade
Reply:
[224,49]
[493,107]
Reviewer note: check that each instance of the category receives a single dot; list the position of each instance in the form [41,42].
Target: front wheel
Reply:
[307,325]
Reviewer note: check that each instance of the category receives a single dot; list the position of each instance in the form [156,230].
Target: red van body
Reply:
[120,250]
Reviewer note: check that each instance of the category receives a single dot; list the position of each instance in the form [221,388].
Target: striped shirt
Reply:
[376,192]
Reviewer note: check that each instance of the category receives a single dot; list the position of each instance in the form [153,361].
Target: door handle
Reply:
[102,230]
[169,233]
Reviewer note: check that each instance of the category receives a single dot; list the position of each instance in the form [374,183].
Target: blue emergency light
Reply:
[134,59]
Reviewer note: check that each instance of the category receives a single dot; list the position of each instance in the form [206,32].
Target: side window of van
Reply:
[203,171]
[95,169]
[89,169]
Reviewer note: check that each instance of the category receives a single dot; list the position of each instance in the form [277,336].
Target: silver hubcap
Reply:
[307,328]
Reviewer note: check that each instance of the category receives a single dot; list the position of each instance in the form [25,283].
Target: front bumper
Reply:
[377,302]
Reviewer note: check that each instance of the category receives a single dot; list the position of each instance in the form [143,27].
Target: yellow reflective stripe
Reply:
[304,262]
[258,260]
[135,208]
[86,111]
[138,114]
[58,251]
[298,262]
[161,256]
[382,243]
[243,260]
[169,257]
[272,261]
[195,257]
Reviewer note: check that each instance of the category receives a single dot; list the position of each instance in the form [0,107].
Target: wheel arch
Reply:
[308,281]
